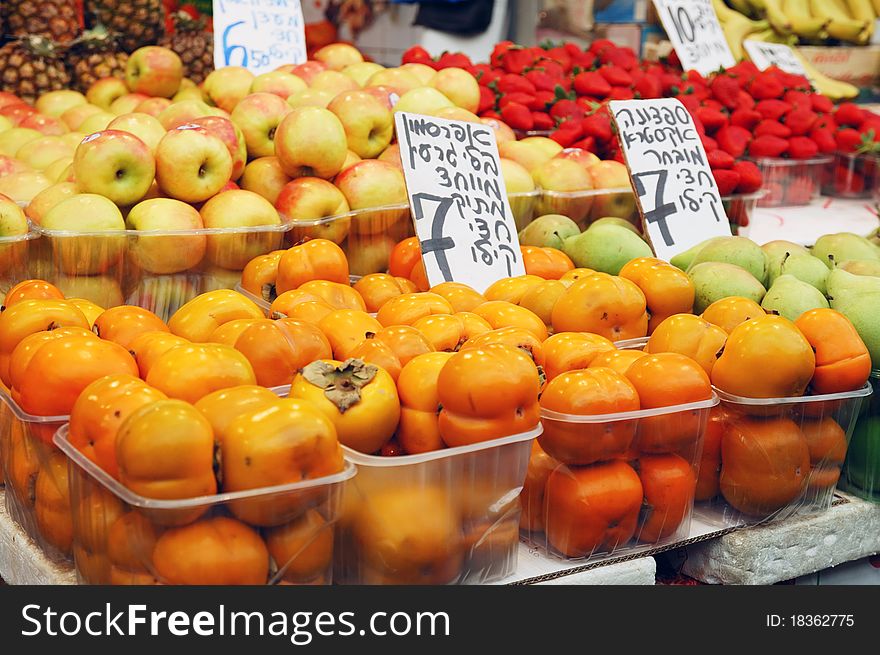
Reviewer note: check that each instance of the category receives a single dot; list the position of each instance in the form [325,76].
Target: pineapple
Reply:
[31,66]
[136,23]
[92,56]
[193,44]
[58,20]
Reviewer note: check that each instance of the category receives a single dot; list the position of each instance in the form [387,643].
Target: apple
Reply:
[55,103]
[17,113]
[225,87]
[396,78]
[10,165]
[311,98]
[39,153]
[7,98]
[145,127]
[189,93]
[502,129]
[165,294]
[57,170]
[520,191]
[612,175]
[48,198]
[310,199]
[22,187]
[188,83]
[528,155]
[422,71]
[368,253]
[279,83]
[338,55]
[181,113]
[5,124]
[215,277]
[457,114]
[73,138]
[230,134]
[258,116]
[333,81]
[13,221]
[391,154]
[115,164]
[75,116]
[385,94]
[192,164]
[362,71]
[378,186]
[368,124]
[240,209]
[67,175]
[548,146]
[48,125]
[13,244]
[265,177]
[310,141]
[153,106]
[103,92]
[423,100]
[127,104]
[166,253]
[89,253]
[560,181]
[103,290]
[351,159]
[459,86]
[154,71]
[13,139]
[96,122]
[583,157]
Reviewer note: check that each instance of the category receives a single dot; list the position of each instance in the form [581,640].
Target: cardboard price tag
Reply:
[458,199]
[675,189]
[764,55]
[696,34]
[260,35]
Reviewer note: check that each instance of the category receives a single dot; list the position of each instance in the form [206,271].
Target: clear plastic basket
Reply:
[791,182]
[583,207]
[861,473]
[852,175]
[15,259]
[739,209]
[120,537]
[446,517]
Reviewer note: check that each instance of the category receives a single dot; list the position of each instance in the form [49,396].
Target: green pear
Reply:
[716,280]
[606,248]
[740,251]
[858,298]
[861,267]
[791,297]
[615,220]
[833,248]
[548,231]
[804,267]
[683,259]
[780,248]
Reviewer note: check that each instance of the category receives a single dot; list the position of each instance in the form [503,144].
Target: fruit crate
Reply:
[15,259]
[620,483]
[120,537]
[445,517]
[35,473]
[739,209]
[157,270]
[861,472]
[791,182]
[851,175]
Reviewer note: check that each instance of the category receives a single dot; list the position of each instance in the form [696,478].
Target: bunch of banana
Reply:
[810,20]
[737,27]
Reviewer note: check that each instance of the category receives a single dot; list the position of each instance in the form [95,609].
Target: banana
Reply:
[758,5]
[777,17]
[862,10]
[876,4]
[772,36]
[827,86]
[745,7]
[723,12]
[737,29]
[842,25]
[803,23]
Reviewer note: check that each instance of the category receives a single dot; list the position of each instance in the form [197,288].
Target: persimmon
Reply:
[228,333]
[406,309]
[315,259]
[531,497]
[419,276]
[764,464]
[843,362]
[448,332]
[617,360]
[511,289]
[335,294]
[827,443]
[688,335]
[345,329]
[709,467]
[302,549]
[473,410]
[587,392]
[771,345]
[149,346]
[22,464]
[31,290]
[378,288]
[405,341]
[52,503]
[94,512]
[193,371]
[462,297]
[547,263]
[122,324]
[223,406]
[130,543]
[258,276]
[379,353]
[502,314]
[404,257]
[277,350]
[27,347]
[576,274]
[568,351]
[541,298]
[591,509]
[417,387]
[729,312]
[668,483]
[610,306]
[89,309]
[668,290]
[197,319]
[517,337]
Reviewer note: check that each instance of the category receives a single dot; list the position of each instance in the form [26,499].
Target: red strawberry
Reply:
[541,81]
[744,70]
[591,83]
[525,99]
[624,58]
[798,99]
[454,60]
[544,99]
[827,122]
[709,144]
[824,139]
[496,59]
[733,140]
[719,159]
[750,178]
[727,181]
[542,121]
[553,69]
[773,128]
[416,55]
[849,114]
[802,147]
[767,145]
[766,87]
[712,104]
[821,103]
[568,133]
[515,84]
[773,109]
[671,83]
[588,143]
[566,108]
[561,55]
[747,118]
[487,99]
[517,116]
[616,76]
[848,139]
[799,191]
[491,114]
[800,121]
[648,87]
[599,46]
[712,119]
[871,126]
[691,103]
[621,93]
[516,60]
[598,125]
[584,60]
[725,90]
[745,101]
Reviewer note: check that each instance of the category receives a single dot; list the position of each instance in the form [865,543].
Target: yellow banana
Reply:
[744,7]
[827,86]
[803,23]
[842,25]
[778,20]
[862,10]
[737,28]
[723,12]
[759,5]
[876,4]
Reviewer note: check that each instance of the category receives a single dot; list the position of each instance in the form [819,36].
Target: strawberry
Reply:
[599,46]
[416,55]
[773,128]
[719,159]
[750,178]
[773,109]
[747,118]
[709,144]
[826,122]
[767,145]
[491,114]
[821,103]
[540,80]
[798,99]
[561,55]
[745,101]
[712,104]
[598,126]
[671,83]
[588,143]
[766,87]
[849,114]
[802,147]
[848,139]
[487,99]
[496,59]
[733,140]
[712,119]
[799,190]
[848,181]
[616,76]
[516,60]
[515,84]
[568,133]
[744,71]
[624,58]
[585,60]
[542,121]
[544,100]
[800,121]
[566,108]
[725,90]
[517,116]
[648,87]
[621,93]
[524,99]
[727,180]
[824,139]
[871,126]
[553,69]
[591,83]
[454,60]
[691,103]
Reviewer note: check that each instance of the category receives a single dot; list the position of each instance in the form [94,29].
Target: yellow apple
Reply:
[396,78]
[48,125]
[583,157]
[105,91]
[265,177]
[189,93]
[39,153]
[225,87]
[309,200]
[258,116]
[73,138]
[145,127]
[459,86]
[241,209]
[153,71]
[181,113]
[115,164]
[166,253]
[192,164]
[391,154]
[548,146]
[422,71]
[83,250]
[374,185]
[311,141]
[338,55]
[502,130]
[368,124]
[278,83]
[362,71]
[13,247]
[311,98]
[230,134]
[9,165]
[561,180]
[58,168]
[528,155]
[75,116]
[55,103]
[5,124]
[13,139]
[127,103]
[612,174]
[520,191]
[423,100]
[96,122]
[153,106]
[305,71]
[351,158]
[457,114]
[333,81]
[46,199]
[22,187]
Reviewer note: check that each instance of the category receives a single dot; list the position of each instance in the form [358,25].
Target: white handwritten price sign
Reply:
[696,34]
[764,55]
[674,186]
[458,200]
[260,35]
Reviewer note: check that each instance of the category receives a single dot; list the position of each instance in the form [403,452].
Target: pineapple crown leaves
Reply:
[184,22]
[38,45]
[96,38]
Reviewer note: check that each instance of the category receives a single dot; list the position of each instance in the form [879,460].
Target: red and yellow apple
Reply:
[362,71]
[225,87]
[258,116]
[459,86]
[164,254]
[305,71]
[265,177]
[338,55]
[612,174]
[154,71]
[309,200]
[22,187]
[278,83]
[240,209]
[75,116]
[145,127]
[192,164]
[84,250]
[105,91]
[368,123]
[96,122]
[153,106]
[127,103]
[333,82]
[48,198]
[13,139]
[115,164]
[55,103]
[423,100]
[396,78]
[229,133]
[48,125]
[310,141]
[378,186]
[311,98]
